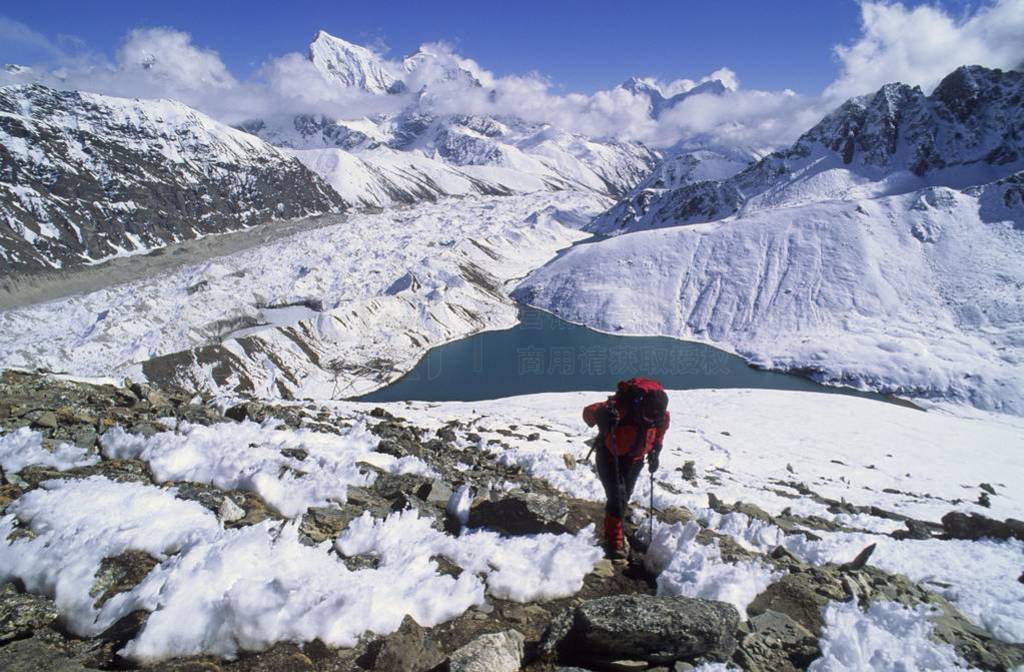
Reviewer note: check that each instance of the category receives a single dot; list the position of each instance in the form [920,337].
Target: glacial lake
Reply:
[545,354]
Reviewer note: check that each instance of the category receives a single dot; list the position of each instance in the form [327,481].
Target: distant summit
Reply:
[644,86]
[352,66]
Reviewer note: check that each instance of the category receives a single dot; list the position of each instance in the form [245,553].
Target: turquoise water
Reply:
[545,354]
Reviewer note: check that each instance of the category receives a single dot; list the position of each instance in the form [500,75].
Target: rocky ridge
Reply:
[967,133]
[615,622]
[86,177]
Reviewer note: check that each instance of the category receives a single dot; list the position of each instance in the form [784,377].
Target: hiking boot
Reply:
[617,554]
[615,539]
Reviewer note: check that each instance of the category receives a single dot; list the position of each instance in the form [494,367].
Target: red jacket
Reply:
[624,440]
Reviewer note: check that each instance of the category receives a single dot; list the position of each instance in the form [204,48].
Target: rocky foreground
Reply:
[615,621]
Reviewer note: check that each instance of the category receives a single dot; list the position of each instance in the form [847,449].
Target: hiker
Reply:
[631,425]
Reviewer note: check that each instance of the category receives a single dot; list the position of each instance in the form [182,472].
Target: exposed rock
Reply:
[776,643]
[799,596]
[861,559]
[45,420]
[120,573]
[21,613]
[959,525]
[367,500]
[36,655]
[916,529]
[498,652]
[521,513]
[247,411]
[657,629]
[675,514]
[393,486]
[229,512]
[409,649]
[604,569]
[254,509]
[122,471]
[8,493]
[282,657]
[323,523]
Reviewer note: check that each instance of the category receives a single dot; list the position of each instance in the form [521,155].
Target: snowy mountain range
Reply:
[882,250]
[420,153]
[966,133]
[87,177]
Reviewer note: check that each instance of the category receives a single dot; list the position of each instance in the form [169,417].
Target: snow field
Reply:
[218,591]
[747,444]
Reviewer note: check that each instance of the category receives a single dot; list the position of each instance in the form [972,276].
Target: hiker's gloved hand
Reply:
[653,460]
[607,419]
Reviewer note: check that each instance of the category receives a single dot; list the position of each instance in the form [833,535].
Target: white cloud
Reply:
[169,56]
[918,45]
[15,35]
[923,44]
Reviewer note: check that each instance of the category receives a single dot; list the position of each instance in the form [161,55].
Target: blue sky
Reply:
[580,45]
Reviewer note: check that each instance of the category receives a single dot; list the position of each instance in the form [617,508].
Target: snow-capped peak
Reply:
[646,86]
[352,66]
[435,63]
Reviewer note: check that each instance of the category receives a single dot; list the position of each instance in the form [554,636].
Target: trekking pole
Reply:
[650,515]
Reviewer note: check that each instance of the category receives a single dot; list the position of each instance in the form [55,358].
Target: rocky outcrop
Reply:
[409,649]
[643,627]
[85,177]
[521,513]
[959,525]
[497,652]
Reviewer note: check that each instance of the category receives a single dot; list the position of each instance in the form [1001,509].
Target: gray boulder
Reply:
[498,652]
[959,525]
[323,523]
[409,649]
[521,513]
[656,629]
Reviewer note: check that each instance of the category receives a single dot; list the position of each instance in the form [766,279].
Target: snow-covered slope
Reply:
[85,177]
[383,177]
[330,312]
[675,172]
[841,260]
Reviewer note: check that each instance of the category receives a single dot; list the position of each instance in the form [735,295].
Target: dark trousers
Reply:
[618,488]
